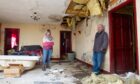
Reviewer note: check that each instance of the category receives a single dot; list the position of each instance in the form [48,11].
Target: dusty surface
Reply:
[64,73]
[69,73]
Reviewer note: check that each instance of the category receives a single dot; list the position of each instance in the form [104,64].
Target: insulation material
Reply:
[128,78]
[81,1]
[85,8]
[71,22]
[102,79]
[86,11]
[94,7]
[102,2]
[77,18]
[78,7]
[83,14]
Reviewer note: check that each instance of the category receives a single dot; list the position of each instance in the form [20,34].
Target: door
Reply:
[123,43]
[11,40]
[65,43]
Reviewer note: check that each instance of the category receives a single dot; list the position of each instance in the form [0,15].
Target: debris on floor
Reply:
[69,73]
[60,74]
[40,82]
[57,74]
[130,78]
[81,66]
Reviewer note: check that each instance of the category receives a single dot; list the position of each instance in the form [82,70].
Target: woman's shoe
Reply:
[44,67]
[48,66]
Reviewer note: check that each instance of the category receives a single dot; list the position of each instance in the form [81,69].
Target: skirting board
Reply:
[89,65]
[55,58]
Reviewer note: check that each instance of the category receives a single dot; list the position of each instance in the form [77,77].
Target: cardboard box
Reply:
[13,71]
[20,66]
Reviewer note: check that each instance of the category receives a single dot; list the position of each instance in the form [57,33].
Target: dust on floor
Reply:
[64,73]
[69,73]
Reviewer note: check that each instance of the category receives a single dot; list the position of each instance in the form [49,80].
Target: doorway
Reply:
[123,40]
[11,40]
[65,44]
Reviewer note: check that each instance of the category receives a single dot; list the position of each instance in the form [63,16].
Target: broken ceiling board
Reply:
[103,4]
[77,9]
[94,9]
[77,18]
[81,1]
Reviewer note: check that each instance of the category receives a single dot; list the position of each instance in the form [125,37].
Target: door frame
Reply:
[5,37]
[60,41]
[112,60]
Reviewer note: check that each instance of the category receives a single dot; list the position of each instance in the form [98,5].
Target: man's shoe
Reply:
[96,73]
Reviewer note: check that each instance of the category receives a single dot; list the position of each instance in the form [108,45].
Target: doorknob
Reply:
[131,43]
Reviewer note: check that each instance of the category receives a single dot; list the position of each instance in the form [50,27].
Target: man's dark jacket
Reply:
[100,42]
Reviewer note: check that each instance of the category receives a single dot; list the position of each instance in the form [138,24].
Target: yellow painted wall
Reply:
[138,27]
[32,34]
[85,40]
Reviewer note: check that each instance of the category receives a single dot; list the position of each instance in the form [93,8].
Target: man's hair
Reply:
[101,25]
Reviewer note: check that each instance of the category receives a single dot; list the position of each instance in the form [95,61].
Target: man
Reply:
[100,46]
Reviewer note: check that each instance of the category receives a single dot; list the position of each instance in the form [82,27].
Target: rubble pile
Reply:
[129,78]
[60,74]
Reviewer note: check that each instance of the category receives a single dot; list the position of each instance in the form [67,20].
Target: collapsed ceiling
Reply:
[50,11]
[83,9]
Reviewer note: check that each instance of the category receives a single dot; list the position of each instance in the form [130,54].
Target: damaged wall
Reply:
[85,33]
[31,34]
[86,37]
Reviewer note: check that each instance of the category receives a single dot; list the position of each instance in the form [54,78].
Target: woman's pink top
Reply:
[47,42]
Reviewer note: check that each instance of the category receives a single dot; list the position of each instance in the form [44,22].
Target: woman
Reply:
[47,49]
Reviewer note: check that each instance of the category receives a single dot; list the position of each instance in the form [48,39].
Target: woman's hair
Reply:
[48,30]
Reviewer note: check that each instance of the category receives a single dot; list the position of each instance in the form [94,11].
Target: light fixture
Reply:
[35,13]
[35,16]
